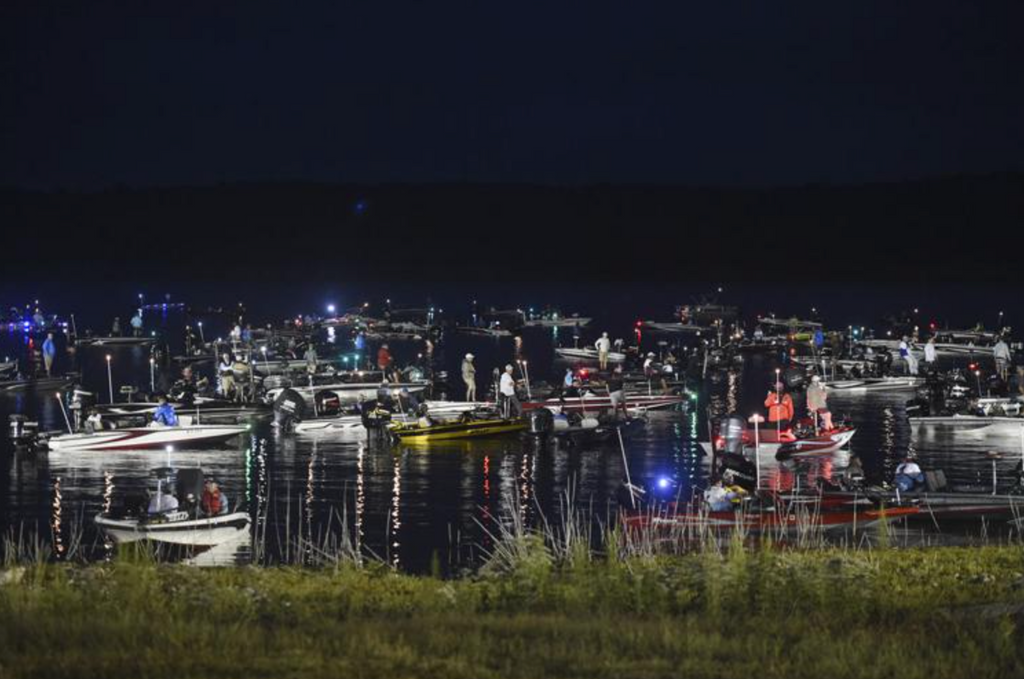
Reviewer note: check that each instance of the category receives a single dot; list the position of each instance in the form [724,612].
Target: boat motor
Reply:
[22,431]
[730,435]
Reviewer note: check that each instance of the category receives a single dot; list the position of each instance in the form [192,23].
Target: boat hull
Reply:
[197,532]
[140,438]
[457,430]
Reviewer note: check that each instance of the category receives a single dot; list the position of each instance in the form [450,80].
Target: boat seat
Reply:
[935,481]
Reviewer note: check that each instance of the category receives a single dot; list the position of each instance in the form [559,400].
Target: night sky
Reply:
[717,93]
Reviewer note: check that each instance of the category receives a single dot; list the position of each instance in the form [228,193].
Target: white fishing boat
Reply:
[482,331]
[115,341]
[873,384]
[557,322]
[679,328]
[37,383]
[183,524]
[941,348]
[768,442]
[176,528]
[594,402]
[134,438]
[587,355]
[986,425]
[351,392]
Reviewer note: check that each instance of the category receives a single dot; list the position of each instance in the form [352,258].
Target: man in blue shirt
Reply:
[165,415]
[49,351]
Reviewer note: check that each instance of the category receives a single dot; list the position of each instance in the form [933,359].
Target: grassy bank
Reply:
[930,613]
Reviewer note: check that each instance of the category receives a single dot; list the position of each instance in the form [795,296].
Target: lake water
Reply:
[418,506]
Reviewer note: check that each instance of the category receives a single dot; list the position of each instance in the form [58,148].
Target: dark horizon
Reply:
[931,231]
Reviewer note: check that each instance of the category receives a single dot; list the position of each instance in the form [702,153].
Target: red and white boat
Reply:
[135,438]
[786,443]
[689,520]
[591,402]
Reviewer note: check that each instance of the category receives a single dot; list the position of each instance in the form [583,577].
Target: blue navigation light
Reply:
[664,482]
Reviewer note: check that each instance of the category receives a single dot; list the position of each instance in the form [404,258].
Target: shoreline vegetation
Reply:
[533,610]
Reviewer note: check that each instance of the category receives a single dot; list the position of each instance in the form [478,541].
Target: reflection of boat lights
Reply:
[360,495]
[396,520]
[487,476]
[55,519]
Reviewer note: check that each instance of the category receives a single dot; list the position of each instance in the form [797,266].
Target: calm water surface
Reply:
[417,506]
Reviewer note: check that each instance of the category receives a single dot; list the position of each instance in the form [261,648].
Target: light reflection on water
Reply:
[407,504]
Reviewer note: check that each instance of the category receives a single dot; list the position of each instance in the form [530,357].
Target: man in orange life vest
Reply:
[779,405]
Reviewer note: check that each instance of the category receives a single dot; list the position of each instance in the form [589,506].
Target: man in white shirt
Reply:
[507,388]
[930,355]
[603,346]
[1001,352]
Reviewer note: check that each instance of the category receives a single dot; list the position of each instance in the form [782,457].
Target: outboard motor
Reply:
[288,408]
[730,432]
[794,377]
[22,431]
[542,422]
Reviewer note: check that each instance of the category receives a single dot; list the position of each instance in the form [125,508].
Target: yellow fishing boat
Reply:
[415,432]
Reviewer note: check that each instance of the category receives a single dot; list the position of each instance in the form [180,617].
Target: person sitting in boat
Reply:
[162,503]
[164,415]
[407,401]
[817,403]
[716,497]
[909,475]
[214,501]
[779,405]
[94,422]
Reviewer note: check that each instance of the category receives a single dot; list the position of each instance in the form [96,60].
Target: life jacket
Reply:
[211,502]
[779,411]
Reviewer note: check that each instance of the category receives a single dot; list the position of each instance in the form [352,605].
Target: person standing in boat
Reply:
[311,360]
[1001,352]
[226,372]
[817,403]
[165,415]
[49,351]
[384,360]
[907,354]
[136,323]
[469,377]
[616,392]
[779,405]
[930,354]
[507,388]
[115,327]
[603,346]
